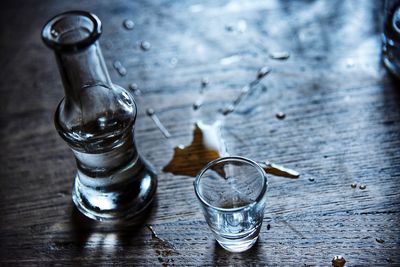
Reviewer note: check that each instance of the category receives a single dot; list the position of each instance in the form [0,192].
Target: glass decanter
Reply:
[97,118]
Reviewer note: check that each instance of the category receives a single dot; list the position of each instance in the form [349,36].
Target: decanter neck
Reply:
[73,36]
[82,69]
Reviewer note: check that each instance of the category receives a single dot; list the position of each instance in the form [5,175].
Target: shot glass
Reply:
[232,192]
[391,36]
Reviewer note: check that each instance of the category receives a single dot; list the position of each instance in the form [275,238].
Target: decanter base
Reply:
[118,202]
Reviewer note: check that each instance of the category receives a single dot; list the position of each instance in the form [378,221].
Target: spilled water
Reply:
[152,114]
[262,72]
[208,145]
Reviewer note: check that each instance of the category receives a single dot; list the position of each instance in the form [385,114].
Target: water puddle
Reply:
[208,145]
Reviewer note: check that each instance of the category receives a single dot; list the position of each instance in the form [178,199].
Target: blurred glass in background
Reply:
[391,36]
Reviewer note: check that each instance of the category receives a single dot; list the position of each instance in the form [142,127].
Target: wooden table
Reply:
[342,126]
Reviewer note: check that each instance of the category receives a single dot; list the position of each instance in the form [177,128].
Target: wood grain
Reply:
[342,125]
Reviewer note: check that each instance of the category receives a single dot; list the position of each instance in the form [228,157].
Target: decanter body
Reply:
[97,118]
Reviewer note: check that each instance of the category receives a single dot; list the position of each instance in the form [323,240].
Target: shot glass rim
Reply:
[230,158]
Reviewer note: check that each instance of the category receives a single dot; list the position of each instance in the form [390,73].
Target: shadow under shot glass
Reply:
[232,192]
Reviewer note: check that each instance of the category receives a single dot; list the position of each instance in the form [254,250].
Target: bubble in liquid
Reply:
[129,24]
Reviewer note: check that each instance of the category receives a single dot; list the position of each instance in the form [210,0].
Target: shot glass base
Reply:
[237,245]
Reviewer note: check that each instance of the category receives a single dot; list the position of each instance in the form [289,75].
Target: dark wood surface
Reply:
[342,126]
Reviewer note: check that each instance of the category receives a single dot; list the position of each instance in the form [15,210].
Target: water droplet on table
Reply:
[228,109]
[278,170]
[280,55]
[262,72]
[117,64]
[173,61]
[119,68]
[338,261]
[241,25]
[197,104]
[128,24]
[349,63]
[229,28]
[230,60]
[122,71]
[134,88]
[280,115]
[152,114]
[204,82]
[145,46]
